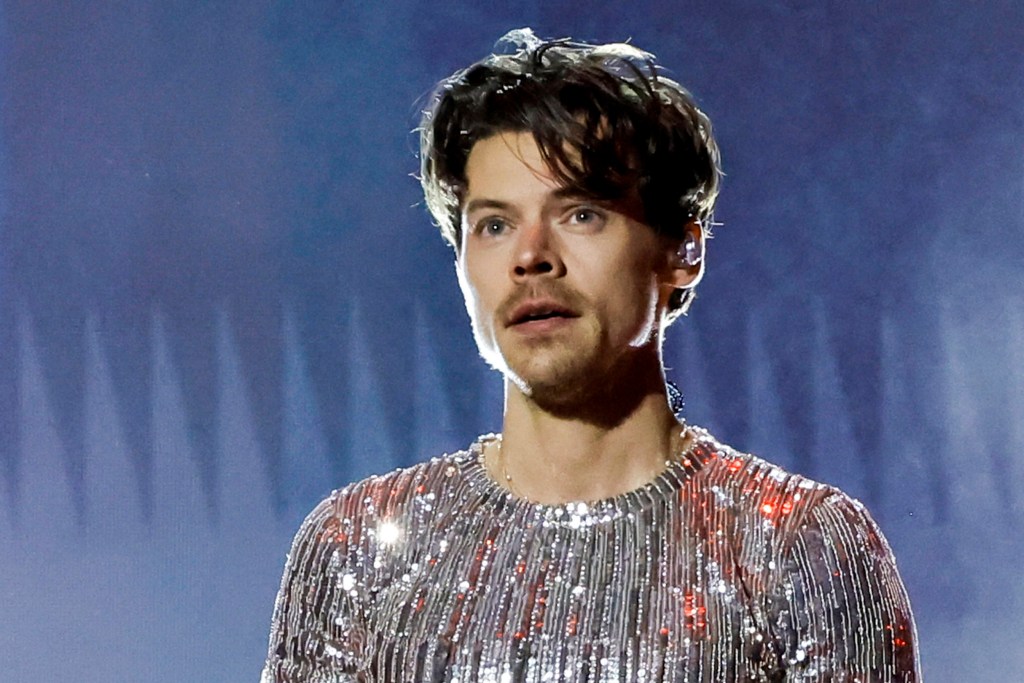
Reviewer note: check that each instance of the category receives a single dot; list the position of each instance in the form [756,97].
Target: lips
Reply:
[538,312]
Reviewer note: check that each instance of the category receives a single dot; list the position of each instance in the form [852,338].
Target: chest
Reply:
[646,596]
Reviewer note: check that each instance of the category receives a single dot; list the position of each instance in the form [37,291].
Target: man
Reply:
[599,538]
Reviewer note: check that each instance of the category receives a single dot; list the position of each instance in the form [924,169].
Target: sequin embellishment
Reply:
[723,568]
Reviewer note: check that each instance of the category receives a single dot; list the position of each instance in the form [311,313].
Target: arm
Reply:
[842,611]
[316,632]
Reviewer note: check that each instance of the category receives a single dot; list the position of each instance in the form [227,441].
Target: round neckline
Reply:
[579,514]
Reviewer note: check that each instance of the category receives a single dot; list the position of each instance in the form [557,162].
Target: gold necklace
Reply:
[508,477]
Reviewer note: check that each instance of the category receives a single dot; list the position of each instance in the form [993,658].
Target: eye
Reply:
[492,226]
[586,216]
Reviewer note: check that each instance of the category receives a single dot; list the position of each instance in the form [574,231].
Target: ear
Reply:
[686,257]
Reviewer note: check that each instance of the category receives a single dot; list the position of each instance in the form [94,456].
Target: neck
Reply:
[600,449]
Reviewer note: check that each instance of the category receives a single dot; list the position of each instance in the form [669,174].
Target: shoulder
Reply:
[353,511]
[789,524]
[753,484]
[334,567]
[770,501]
[813,551]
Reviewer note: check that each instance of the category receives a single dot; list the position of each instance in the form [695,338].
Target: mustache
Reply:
[562,294]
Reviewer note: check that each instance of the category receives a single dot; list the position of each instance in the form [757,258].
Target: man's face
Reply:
[563,291]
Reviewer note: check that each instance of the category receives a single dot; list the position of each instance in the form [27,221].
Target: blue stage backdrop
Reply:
[221,297]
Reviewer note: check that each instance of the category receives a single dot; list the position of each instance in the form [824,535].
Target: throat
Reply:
[551,461]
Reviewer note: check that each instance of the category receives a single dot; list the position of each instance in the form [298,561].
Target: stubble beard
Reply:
[552,371]
[573,379]
[558,376]
[571,374]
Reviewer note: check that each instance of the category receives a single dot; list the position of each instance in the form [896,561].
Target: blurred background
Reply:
[221,296]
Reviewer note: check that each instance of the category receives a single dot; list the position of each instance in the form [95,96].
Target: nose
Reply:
[537,253]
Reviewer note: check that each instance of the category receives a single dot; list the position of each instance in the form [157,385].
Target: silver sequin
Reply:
[723,568]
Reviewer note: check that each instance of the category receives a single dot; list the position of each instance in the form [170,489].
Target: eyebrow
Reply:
[574,193]
[561,193]
[478,204]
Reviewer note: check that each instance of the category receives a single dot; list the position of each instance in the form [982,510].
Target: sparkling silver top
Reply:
[723,568]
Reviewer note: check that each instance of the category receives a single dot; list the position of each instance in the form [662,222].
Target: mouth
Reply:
[540,312]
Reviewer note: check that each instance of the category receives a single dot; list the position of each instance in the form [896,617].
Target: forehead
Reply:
[508,161]
[509,168]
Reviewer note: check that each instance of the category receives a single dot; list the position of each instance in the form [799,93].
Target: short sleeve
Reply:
[316,634]
[841,610]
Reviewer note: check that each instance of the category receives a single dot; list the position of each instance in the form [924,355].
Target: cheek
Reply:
[647,320]
[633,310]
[464,286]
[478,301]
[469,293]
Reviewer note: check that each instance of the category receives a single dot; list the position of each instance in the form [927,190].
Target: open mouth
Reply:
[540,313]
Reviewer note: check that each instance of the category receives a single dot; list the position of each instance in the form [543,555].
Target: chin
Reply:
[550,382]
